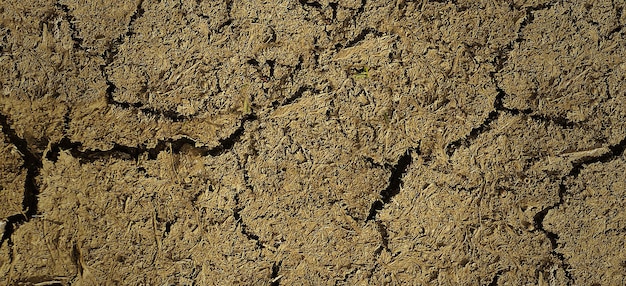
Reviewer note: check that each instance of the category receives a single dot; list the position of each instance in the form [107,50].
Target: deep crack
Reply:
[361,36]
[243,226]
[78,41]
[33,165]
[313,4]
[384,236]
[295,96]
[475,132]
[128,152]
[275,278]
[494,281]
[395,183]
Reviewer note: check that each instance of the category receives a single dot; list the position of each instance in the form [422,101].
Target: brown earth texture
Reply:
[312,142]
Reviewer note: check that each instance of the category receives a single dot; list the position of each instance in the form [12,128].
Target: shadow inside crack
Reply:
[393,188]
[33,165]
[128,152]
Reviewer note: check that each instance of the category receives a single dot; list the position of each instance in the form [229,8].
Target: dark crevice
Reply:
[152,112]
[253,62]
[558,120]
[228,142]
[373,163]
[361,8]
[334,7]
[78,41]
[361,36]
[272,65]
[275,279]
[475,132]
[530,17]
[33,165]
[495,114]
[228,20]
[243,226]
[139,11]
[133,153]
[494,281]
[296,95]
[313,4]
[393,188]
[223,25]
[346,277]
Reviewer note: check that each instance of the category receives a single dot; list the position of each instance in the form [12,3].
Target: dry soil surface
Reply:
[305,142]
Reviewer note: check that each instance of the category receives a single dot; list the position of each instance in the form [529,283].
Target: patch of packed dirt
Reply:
[312,142]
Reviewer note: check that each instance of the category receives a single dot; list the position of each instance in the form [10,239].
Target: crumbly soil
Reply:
[352,142]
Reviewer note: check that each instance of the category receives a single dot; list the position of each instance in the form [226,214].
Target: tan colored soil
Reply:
[312,142]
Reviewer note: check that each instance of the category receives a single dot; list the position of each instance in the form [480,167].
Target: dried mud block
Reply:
[132,128]
[146,221]
[53,88]
[313,242]
[39,255]
[590,224]
[309,195]
[167,64]
[98,23]
[182,66]
[39,70]
[291,154]
[572,72]
[12,178]
[460,32]
[446,235]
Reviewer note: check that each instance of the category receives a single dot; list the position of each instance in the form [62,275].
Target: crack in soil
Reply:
[395,183]
[384,235]
[477,131]
[361,8]
[393,188]
[275,278]
[78,41]
[129,152]
[33,166]
[297,95]
[361,36]
[494,281]
[314,4]
[244,228]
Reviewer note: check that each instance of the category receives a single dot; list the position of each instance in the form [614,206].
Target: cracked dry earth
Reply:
[353,142]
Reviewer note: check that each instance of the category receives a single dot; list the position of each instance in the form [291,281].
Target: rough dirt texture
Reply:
[312,142]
